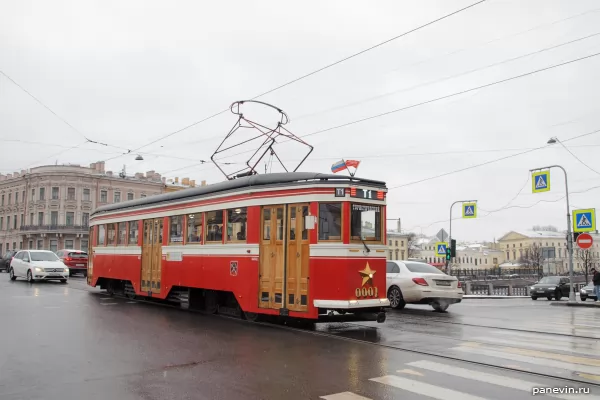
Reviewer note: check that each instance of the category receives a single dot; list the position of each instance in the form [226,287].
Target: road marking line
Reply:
[530,360]
[423,388]
[564,347]
[485,377]
[344,396]
[590,377]
[108,304]
[410,372]
[542,354]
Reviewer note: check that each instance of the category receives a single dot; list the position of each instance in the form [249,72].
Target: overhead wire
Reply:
[317,71]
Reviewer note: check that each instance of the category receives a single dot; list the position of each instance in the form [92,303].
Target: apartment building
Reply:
[49,207]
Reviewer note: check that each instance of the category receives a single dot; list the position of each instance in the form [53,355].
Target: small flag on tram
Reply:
[339,166]
[352,163]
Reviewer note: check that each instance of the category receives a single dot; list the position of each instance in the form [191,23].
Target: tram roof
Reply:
[274,179]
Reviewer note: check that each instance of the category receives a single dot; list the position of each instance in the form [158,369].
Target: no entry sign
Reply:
[585,241]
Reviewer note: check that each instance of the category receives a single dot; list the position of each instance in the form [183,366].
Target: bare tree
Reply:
[586,257]
[546,228]
[533,257]
[411,245]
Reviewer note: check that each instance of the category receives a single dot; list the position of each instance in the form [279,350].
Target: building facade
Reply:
[49,207]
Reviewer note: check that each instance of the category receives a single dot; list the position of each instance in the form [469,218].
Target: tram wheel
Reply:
[252,317]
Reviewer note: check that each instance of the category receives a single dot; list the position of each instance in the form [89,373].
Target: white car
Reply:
[412,282]
[38,265]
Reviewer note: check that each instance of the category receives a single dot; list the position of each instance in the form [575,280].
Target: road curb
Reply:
[576,304]
[476,297]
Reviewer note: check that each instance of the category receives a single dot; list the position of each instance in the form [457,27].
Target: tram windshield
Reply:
[365,221]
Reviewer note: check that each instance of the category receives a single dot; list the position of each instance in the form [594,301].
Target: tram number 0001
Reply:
[366,292]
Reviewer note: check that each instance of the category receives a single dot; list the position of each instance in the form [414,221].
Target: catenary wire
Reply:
[316,72]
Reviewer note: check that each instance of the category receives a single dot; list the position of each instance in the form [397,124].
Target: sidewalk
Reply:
[589,303]
[481,296]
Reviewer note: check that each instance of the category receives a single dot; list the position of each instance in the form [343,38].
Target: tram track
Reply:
[291,328]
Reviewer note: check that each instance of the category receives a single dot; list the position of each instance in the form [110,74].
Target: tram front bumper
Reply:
[352,310]
[351,304]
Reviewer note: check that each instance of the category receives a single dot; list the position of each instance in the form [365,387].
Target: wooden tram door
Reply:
[284,258]
[298,253]
[152,255]
[272,257]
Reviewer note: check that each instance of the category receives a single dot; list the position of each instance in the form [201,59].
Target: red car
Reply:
[76,260]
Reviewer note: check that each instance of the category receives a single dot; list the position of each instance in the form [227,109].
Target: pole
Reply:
[569,232]
[450,230]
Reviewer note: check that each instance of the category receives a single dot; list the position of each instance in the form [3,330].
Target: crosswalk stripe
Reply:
[424,389]
[530,360]
[344,396]
[494,379]
[564,347]
[542,354]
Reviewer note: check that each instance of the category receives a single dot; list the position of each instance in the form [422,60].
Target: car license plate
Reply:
[540,291]
[80,265]
[442,283]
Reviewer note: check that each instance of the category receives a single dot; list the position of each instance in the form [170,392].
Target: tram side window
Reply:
[365,222]
[194,228]
[133,233]
[214,226]
[112,235]
[330,221]
[101,235]
[176,229]
[122,236]
[236,224]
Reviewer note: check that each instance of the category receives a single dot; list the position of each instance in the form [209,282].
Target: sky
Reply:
[128,73]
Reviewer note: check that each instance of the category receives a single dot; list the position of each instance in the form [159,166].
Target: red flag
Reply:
[352,163]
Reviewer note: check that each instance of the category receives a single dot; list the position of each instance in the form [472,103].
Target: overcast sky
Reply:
[128,72]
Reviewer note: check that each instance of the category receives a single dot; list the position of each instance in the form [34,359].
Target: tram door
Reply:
[152,255]
[297,258]
[272,257]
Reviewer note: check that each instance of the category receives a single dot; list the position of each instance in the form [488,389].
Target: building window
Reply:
[330,221]
[40,244]
[84,245]
[122,237]
[15,222]
[1,228]
[32,194]
[16,197]
[70,219]
[9,197]
[22,219]
[30,245]
[2,199]
[508,255]
[402,243]
[214,225]
[54,193]
[86,194]
[40,218]
[85,219]
[133,232]
[129,196]
[31,218]
[117,197]
[23,195]
[42,193]
[70,193]
[402,252]
[69,244]
[53,245]
[53,218]
[111,235]
[101,240]
[103,196]
[8,222]
[236,224]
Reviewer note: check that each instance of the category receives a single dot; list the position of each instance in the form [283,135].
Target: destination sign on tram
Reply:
[367,194]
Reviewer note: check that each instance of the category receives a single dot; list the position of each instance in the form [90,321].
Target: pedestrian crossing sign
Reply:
[440,249]
[584,220]
[469,210]
[540,181]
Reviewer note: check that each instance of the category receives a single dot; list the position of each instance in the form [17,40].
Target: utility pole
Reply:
[450,231]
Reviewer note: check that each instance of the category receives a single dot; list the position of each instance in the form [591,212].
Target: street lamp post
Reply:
[569,233]
[450,230]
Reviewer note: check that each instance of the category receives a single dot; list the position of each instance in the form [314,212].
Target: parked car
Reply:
[5,260]
[38,265]
[550,287]
[587,292]
[76,260]
[412,282]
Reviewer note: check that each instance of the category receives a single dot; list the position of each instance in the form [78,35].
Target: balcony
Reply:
[53,228]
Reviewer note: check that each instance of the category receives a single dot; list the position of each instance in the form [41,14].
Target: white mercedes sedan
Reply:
[38,265]
[412,282]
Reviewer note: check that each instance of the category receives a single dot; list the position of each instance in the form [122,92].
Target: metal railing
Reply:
[54,227]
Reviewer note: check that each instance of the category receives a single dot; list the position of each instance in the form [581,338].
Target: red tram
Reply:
[298,245]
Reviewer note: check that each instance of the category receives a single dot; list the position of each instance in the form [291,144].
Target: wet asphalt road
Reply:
[66,341]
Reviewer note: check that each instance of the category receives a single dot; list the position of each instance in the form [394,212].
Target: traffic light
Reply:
[576,235]
[452,248]
[448,254]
